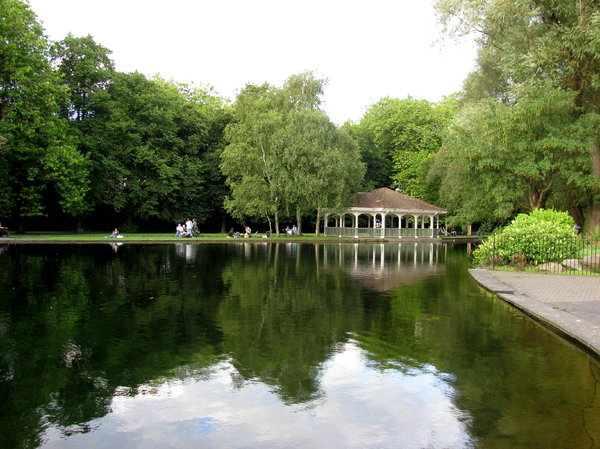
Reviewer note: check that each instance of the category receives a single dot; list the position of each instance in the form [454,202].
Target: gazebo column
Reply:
[326,219]
[383,215]
[400,226]
[356,215]
[431,220]
[416,217]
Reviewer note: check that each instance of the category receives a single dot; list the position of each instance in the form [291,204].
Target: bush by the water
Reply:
[544,235]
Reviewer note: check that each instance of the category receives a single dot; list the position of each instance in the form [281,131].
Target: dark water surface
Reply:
[252,345]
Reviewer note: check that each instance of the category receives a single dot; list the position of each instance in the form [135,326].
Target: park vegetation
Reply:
[85,146]
[544,235]
[528,133]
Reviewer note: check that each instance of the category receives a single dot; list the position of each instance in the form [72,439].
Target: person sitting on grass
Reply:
[114,235]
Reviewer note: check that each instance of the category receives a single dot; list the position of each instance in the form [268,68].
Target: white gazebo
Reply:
[385,213]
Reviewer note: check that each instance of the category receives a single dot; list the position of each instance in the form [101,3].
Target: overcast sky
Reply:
[365,49]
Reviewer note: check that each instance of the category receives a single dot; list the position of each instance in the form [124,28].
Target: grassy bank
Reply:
[156,237]
[46,237]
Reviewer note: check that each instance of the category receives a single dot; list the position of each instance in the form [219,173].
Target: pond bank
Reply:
[42,240]
[569,305]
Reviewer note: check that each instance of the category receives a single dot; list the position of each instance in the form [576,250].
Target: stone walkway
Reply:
[567,304]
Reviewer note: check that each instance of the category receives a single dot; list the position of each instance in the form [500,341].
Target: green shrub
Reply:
[544,235]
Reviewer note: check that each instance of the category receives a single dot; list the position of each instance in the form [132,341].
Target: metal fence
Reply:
[573,255]
[381,232]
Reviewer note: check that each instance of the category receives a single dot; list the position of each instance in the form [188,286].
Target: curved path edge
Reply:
[568,322]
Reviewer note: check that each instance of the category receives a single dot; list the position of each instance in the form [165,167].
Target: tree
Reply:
[249,161]
[320,164]
[527,43]
[500,159]
[86,68]
[404,134]
[151,143]
[282,152]
[377,160]
[40,162]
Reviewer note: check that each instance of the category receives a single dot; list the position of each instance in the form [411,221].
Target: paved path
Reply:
[568,304]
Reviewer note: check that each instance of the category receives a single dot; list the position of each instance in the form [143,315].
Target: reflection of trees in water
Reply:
[86,322]
[281,318]
[79,325]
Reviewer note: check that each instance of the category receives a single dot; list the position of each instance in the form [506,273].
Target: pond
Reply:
[277,345]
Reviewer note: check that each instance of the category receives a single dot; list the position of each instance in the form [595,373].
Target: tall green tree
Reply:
[405,133]
[525,43]
[249,162]
[284,154]
[40,163]
[320,164]
[151,143]
[499,159]
[377,160]
[86,68]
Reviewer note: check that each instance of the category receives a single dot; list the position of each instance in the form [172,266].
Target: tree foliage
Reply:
[86,68]
[499,159]
[398,138]
[550,43]
[284,154]
[40,164]
[151,145]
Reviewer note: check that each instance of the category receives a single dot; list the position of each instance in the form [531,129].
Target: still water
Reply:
[277,345]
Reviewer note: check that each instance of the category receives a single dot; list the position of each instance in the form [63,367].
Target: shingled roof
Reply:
[385,198]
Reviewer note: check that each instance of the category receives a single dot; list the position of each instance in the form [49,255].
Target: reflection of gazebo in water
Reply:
[384,266]
[385,213]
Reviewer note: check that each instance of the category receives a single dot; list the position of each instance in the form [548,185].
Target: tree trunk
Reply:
[223,224]
[470,229]
[299,221]
[78,226]
[270,226]
[277,224]
[592,220]
[317,226]
[577,213]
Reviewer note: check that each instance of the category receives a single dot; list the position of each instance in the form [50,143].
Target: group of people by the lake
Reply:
[187,229]
[291,231]
[247,233]
[233,234]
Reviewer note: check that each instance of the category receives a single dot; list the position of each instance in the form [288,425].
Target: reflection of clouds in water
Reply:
[360,408]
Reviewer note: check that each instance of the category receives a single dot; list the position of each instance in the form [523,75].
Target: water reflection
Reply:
[385,266]
[214,410]
[187,251]
[256,344]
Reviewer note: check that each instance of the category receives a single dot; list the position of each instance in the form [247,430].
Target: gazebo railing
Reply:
[379,232]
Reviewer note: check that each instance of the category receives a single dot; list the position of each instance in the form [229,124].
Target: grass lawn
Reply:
[167,237]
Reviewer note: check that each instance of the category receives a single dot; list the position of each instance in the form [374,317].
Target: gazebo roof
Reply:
[385,198]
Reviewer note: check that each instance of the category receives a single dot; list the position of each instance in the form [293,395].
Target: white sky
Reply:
[365,49]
